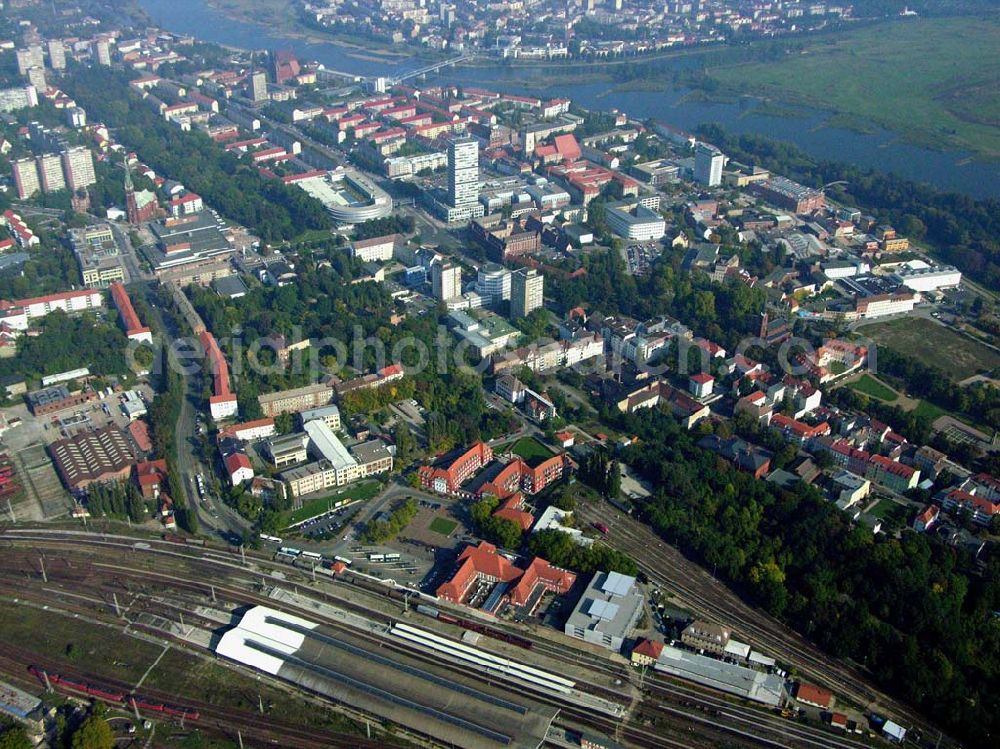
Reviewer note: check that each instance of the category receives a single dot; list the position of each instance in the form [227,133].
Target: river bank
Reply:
[823,134]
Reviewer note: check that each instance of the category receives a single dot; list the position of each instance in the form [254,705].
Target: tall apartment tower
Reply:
[29,57]
[463,172]
[102,51]
[258,85]
[57,54]
[78,166]
[708,163]
[36,77]
[527,287]
[26,178]
[446,281]
[50,170]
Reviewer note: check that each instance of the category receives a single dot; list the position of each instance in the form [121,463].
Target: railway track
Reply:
[666,567]
[719,728]
[15,661]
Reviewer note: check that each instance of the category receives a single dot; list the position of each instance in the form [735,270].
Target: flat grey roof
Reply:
[370,451]
[739,680]
[599,611]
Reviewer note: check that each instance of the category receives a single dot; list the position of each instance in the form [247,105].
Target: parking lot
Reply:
[639,257]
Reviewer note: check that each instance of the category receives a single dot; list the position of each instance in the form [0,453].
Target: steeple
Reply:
[129,187]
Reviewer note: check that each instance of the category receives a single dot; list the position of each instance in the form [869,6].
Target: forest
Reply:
[908,609]
[267,207]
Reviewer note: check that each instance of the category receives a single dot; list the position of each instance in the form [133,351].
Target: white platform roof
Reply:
[254,627]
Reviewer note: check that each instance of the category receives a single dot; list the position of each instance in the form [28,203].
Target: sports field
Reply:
[935,344]
[933,80]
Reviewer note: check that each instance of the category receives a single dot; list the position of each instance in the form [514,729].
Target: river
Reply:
[881,150]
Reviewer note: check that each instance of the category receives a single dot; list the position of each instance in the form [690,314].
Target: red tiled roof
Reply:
[512,510]
[151,472]
[139,431]
[540,572]
[891,466]
[235,429]
[476,561]
[649,648]
[236,461]
[815,695]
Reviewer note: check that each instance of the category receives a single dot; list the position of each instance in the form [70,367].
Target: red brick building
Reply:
[447,478]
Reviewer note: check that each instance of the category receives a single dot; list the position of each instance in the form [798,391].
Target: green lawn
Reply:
[933,80]
[926,409]
[320,505]
[444,526]
[531,450]
[872,387]
[890,512]
[952,352]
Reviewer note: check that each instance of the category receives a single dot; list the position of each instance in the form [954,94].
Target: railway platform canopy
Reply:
[350,667]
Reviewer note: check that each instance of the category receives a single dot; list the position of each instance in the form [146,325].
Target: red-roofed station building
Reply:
[134,329]
[222,403]
[479,566]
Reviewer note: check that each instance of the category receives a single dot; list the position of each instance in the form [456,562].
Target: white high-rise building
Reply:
[78,166]
[36,77]
[26,178]
[493,284]
[50,170]
[76,117]
[708,163]
[57,54]
[463,172]
[527,287]
[102,50]
[446,281]
[29,57]
[258,85]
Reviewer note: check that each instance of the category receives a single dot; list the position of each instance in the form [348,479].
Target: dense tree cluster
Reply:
[722,312]
[904,608]
[602,473]
[964,231]
[14,737]
[380,227]
[560,549]
[379,531]
[269,208]
[67,343]
[116,499]
[502,532]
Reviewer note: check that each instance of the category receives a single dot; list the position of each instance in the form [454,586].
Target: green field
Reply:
[933,80]
[531,450]
[320,505]
[958,356]
[872,387]
[927,410]
[891,513]
[444,526]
